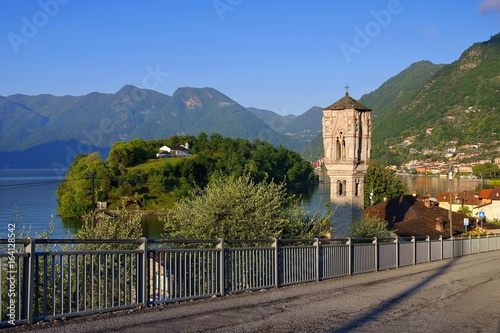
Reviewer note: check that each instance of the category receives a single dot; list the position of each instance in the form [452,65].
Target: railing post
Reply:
[470,244]
[275,246]
[222,267]
[375,242]
[316,248]
[478,243]
[428,240]
[28,280]
[441,240]
[461,245]
[414,250]
[143,272]
[452,248]
[396,240]
[349,242]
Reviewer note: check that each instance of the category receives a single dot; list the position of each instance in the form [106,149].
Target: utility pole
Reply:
[92,177]
[452,186]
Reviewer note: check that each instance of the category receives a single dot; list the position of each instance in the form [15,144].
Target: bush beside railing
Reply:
[51,283]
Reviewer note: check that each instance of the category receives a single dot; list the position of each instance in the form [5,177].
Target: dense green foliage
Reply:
[382,183]
[132,173]
[240,208]
[464,210]
[74,194]
[485,170]
[369,227]
[126,225]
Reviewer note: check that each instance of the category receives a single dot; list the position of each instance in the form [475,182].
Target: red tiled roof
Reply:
[484,194]
[495,193]
[469,197]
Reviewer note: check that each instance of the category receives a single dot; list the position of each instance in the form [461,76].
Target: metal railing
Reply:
[49,279]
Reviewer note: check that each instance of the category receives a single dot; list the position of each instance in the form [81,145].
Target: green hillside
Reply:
[431,106]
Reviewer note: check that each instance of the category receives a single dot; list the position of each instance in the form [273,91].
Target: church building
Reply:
[347,129]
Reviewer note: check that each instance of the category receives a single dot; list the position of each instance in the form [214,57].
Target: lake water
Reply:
[32,191]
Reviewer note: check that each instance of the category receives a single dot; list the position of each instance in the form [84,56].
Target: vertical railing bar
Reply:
[428,239]
[221,267]
[205,270]
[70,285]
[26,284]
[77,284]
[28,277]
[53,285]
[61,286]
[396,240]
[119,280]
[45,284]
[133,266]
[106,257]
[112,280]
[125,258]
[200,270]
[84,263]
[177,280]
[172,277]
[165,277]
[37,285]
[189,276]
[92,263]
[137,277]
[154,265]
[184,287]
[99,290]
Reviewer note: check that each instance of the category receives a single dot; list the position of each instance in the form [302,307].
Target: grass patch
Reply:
[158,163]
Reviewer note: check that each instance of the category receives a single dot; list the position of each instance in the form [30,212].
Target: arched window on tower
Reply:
[339,188]
[356,188]
[337,149]
[344,192]
[343,149]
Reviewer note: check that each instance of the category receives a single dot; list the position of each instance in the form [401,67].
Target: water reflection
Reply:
[437,185]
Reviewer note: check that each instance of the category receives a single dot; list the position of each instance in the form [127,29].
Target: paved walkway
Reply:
[458,295]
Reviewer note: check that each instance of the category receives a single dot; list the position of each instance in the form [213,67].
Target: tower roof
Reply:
[347,102]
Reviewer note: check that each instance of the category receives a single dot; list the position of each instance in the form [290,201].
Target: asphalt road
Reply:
[458,295]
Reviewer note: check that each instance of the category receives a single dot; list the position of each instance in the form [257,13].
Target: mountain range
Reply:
[45,130]
[427,104]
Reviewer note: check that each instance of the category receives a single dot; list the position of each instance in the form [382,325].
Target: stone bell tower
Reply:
[347,130]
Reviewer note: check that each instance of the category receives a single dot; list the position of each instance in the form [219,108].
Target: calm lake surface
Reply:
[32,191]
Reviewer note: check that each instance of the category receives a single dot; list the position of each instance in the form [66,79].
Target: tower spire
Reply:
[347,89]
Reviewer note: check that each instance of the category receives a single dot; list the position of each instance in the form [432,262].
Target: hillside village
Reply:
[459,158]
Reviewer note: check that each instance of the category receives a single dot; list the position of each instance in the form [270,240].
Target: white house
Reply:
[491,207]
[176,151]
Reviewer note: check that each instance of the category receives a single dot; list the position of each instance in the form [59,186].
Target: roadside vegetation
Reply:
[240,208]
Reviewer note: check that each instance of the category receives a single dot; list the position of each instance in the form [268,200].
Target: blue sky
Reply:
[284,56]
